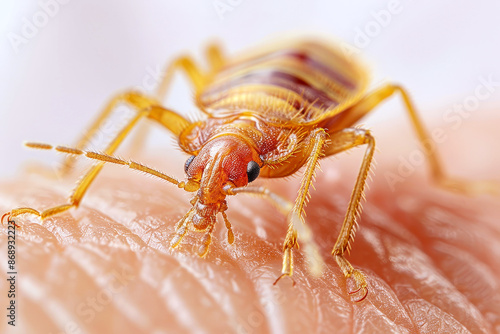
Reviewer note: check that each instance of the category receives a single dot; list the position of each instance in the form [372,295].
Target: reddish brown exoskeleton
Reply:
[269,114]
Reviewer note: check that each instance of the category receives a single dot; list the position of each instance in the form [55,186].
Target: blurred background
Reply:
[61,60]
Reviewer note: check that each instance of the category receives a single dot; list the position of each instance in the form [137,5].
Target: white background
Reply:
[52,85]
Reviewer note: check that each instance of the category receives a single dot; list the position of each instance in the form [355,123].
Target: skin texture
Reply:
[431,257]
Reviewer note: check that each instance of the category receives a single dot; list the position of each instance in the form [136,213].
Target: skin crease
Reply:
[431,257]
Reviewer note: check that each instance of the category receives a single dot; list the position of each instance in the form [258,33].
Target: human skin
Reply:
[431,257]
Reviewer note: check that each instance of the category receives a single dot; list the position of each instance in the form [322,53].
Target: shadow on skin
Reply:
[431,258]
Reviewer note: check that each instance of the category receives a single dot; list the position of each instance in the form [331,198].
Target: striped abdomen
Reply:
[297,83]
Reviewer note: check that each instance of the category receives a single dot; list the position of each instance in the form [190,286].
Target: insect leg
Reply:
[181,228]
[145,107]
[215,56]
[285,207]
[90,133]
[136,100]
[313,148]
[195,75]
[439,175]
[341,141]
[186,65]
[280,203]
[206,241]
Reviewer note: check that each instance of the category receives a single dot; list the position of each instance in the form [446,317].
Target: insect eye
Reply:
[253,170]
[188,162]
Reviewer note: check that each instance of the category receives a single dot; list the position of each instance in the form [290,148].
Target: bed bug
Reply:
[268,113]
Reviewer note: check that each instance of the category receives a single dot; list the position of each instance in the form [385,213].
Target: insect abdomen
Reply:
[296,83]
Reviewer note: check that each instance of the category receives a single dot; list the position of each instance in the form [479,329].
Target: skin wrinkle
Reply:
[481,299]
[274,319]
[445,319]
[165,301]
[99,277]
[403,309]
[158,287]
[203,283]
[377,311]
[472,306]
[480,265]
[431,253]
[241,264]
[462,299]
[400,308]
[42,314]
[430,301]
[113,224]
[210,292]
[317,309]
[173,301]
[389,283]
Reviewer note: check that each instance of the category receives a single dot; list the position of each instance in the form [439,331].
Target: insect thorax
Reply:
[256,133]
